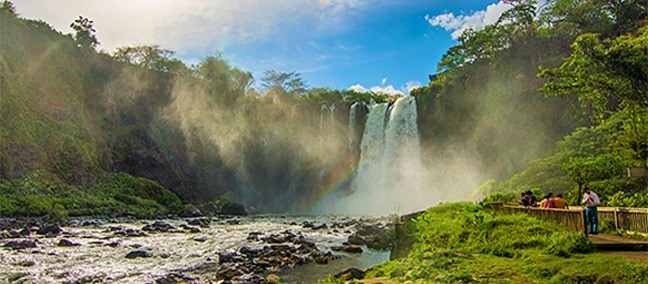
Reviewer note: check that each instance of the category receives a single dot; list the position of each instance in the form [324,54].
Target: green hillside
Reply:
[548,99]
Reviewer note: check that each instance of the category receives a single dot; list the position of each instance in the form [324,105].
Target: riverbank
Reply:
[465,243]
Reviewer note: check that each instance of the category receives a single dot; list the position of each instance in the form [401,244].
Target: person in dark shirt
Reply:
[523,200]
[531,199]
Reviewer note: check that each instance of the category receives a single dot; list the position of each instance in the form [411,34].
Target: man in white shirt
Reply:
[591,200]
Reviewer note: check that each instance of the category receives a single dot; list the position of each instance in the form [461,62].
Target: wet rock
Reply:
[305,243]
[112,244]
[21,244]
[67,243]
[158,226]
[249,252]
[228,272]
[5,235]
[14,277]
[233,208]
[272,278]
[190,229]
[192,211]
[130,232]
[91,223]
[26,263]
[356,240]
[348,248]
[51,230]
[200,239]
[375,236]
[24,232]
[233,222]
[274,239]
[324,258]
[202,222]
[319,227]
[229,257]
[254,236]
[138,253]
[350,274]
[165,255]
[174,278]
[307,224]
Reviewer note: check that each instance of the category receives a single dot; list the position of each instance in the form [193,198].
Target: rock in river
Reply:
[138,253]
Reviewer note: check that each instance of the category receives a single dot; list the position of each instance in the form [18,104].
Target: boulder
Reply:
[21,244]
[130,232]
[254,236]
[350,274]
[356,240]
[138,253]
[192,211]
[348,248]
[200,239]
[67,243]
[228,272]
[158,226]
[51,229]
[175,277]
[202,222]
[190,229]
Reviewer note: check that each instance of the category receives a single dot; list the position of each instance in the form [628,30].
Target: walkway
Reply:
[632,249]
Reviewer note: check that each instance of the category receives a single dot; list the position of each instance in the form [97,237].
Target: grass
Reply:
[465,243]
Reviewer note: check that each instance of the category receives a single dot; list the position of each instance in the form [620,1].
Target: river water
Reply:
[100,255]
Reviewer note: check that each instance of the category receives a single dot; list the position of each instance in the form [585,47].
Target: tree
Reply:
[587,169]
[150,57]
[9,7]
[84,33]
[603,74]
[225,83]
[284,84]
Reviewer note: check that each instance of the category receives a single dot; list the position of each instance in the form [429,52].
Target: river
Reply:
[100,250]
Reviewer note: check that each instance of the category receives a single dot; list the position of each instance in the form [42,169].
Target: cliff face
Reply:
[77,114]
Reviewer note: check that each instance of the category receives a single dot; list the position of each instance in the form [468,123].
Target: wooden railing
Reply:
[631,219]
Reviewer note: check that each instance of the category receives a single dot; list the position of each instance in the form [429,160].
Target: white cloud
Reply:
[192,25]
[390,90]
[411,85]
[383,81]
[478,20]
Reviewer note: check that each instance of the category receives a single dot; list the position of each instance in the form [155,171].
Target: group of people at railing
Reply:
[590,201]
[527,199]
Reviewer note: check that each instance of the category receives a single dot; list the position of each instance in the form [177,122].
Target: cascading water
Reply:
[390,177]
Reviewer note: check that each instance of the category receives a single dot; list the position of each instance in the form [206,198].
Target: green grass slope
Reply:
[465,243]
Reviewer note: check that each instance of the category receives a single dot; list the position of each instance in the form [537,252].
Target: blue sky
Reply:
[379,45]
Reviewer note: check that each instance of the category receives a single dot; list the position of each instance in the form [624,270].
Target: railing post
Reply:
[616,218]
[584,218]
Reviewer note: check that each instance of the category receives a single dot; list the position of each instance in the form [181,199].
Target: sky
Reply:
[380,45]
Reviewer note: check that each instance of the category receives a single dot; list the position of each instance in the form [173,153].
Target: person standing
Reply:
[591,201]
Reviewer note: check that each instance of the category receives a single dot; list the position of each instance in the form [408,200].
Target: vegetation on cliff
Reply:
[550,98]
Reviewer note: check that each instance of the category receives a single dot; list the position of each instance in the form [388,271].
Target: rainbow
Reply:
[336,182]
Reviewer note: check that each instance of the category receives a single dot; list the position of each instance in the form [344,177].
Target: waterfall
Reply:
[390,176]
